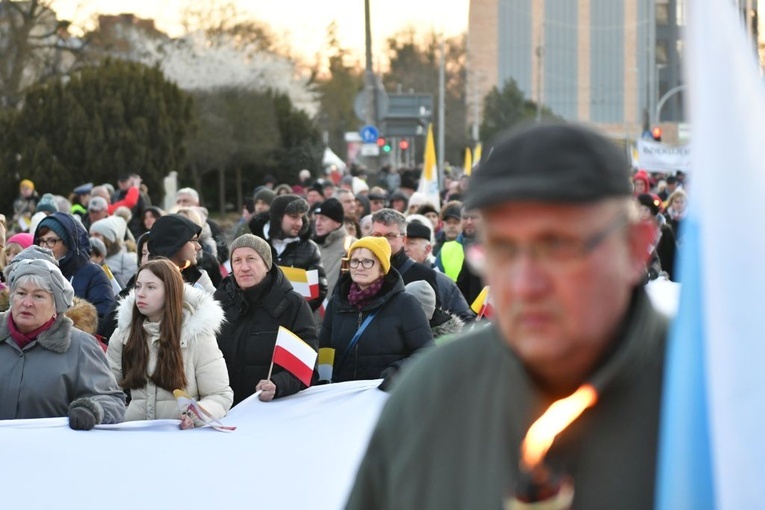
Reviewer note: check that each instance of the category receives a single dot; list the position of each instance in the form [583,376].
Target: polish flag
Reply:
[294,355]
[305,283]
[323,307]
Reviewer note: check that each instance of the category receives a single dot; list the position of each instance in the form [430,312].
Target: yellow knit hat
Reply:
[377,245]
[28,183]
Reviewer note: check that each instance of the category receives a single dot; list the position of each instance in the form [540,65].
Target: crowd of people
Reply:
[168,300]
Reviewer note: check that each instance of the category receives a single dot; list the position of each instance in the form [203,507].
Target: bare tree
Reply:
[34,45]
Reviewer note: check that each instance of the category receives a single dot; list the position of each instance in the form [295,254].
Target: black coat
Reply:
[415,272]
[399,329]
[303,254]
[248,335]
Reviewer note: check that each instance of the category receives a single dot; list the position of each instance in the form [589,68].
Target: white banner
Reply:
[301,451]
[658,157]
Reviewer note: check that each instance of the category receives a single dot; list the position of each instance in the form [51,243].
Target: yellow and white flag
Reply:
[429,178]
[305,283]
[477,154]
[468,165]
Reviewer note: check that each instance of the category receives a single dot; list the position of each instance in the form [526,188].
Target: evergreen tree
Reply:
[117,118]
[506,108]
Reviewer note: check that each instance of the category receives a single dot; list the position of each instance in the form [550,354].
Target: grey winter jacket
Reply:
[63,368]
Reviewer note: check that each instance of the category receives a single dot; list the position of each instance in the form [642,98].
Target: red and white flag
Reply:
[323,307]
[305,283]
[294,355]
[482,305]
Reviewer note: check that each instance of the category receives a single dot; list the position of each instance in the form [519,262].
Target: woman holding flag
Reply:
[370,322]
[165,341]
[257,299]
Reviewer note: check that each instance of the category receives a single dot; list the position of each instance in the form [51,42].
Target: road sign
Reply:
[370,149]
[369,134]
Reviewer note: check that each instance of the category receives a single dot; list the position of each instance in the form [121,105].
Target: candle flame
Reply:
[558,416]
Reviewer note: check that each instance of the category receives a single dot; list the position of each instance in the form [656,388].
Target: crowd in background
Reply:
[395,274]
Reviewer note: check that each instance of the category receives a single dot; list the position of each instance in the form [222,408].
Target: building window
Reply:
[662,55]
[662,12]
[680,13]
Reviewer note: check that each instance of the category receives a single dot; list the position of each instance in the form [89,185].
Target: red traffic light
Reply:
[656,133]
[403,144]
[380,142]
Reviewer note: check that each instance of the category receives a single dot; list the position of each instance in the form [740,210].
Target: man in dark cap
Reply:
[286,228]
[565,255]
[451,225]
[332,238]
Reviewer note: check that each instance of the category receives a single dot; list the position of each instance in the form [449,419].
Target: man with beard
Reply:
[287,230]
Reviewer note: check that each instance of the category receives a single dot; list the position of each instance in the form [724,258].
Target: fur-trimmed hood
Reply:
[202,315]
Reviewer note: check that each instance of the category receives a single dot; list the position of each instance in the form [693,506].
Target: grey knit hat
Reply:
[256,243]
[63,293]
[424,294]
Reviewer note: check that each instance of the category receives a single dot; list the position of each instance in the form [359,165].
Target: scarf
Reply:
[359,298]
[24,339]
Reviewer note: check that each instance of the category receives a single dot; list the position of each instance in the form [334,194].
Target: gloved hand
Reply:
[81,418]
[388,375]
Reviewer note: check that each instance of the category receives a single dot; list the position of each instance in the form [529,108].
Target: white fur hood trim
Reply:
[202,314]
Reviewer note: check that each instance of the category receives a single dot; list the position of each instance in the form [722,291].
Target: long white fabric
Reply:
[298,452]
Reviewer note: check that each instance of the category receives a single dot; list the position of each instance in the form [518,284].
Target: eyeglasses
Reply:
[49,242]
[555,249]
[365,263]
[389,236]
[194,240]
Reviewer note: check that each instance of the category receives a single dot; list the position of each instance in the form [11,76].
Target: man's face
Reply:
[417,249]
[471,223]
[557,305]
[123,185]
[391,233]
[349,204]
[313,197]
[452,228]
[262,206]
[376,204]
[97,215]
[325,225]
[185,200]
[292,224]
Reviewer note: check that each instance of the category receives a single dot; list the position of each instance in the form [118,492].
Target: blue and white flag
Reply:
[712,451]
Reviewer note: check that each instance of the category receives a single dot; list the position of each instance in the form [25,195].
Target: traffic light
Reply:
[403,144]
[656,133]
[383,144]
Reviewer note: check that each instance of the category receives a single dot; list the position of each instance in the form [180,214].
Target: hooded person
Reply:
[176,237]
[40,349]
[257,299]
[70,244]
[287,230]
[123,265]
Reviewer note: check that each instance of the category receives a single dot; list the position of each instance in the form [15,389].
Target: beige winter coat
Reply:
[205,368]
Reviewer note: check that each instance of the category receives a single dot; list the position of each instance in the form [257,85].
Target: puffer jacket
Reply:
[248,336]
[123,266]
[63,368]
[202,360]
[303,253]
[399,329]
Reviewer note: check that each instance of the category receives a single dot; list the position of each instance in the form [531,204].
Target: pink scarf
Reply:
[359,298]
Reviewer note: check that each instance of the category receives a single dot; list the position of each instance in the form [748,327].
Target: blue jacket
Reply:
[87,278]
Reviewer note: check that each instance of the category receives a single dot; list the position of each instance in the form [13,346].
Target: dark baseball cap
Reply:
[550,162]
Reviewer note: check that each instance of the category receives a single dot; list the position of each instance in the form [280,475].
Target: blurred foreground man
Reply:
[564,255]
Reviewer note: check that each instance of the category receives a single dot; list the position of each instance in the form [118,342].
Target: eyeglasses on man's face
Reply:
[365,263]
[48,242]
[389,236]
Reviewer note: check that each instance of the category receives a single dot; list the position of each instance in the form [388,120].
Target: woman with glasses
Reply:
[70,244]
[370,322]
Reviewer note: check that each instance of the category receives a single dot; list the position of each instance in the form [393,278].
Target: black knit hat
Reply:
[550,162]
[653,203]
[169,233]
[332,209]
